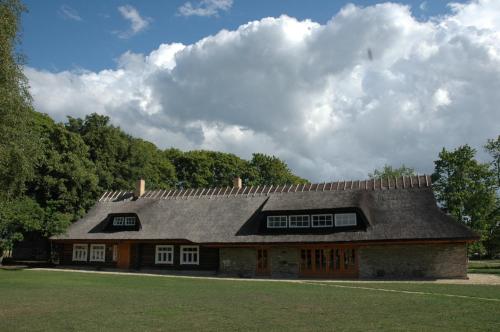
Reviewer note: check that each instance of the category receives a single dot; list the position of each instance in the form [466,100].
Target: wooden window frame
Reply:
[270,225]
[190,262]
[322,215]
[75,250]
[290,221]
[95,247]
[168,253]
[346,214]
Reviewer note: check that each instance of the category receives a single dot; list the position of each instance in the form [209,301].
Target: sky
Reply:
[335,89]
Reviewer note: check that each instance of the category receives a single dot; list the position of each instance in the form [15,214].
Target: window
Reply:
[80,252]
[129,221]
[97,252]
[190,255]
[118,221]
[164,254]
[298,221]
[345,219]
[322,220]
[276,222]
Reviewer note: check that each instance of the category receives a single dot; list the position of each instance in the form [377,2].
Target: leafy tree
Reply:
[120,159]
[390,172]
[65,182]
[466,188]
[17,217]
[493,148]
[270,170]
[18,149]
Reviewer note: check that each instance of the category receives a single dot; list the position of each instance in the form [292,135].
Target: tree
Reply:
[270,170]
[18,143]
[390,172]
[466,188]
[493,148]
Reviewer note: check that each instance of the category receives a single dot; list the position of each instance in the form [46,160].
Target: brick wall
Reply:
[413,261]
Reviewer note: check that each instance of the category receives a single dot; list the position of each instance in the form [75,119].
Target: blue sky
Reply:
[334,89]
[62,35]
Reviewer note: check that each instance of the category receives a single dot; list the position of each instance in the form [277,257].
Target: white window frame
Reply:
[304,218]
[129,221]
[96,247]
[278,219]
[322,215]
[118,221]
[169,254]
[184,261]
[83,250]
[345,222]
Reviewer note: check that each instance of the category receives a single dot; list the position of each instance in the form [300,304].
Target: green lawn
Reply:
[485,266]
[64,301]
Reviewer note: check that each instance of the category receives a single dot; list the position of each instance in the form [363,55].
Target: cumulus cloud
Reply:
[137,22]
[69,13]
[307,92]
[205,8]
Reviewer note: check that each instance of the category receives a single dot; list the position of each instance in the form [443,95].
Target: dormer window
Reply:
[322,220]
[124,221]
[129,221]
[276,221]
[118,221]
[345,219]
[301,221]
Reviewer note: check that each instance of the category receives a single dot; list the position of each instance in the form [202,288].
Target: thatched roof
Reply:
[394,210]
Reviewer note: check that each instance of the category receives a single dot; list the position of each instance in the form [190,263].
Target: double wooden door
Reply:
[339,262]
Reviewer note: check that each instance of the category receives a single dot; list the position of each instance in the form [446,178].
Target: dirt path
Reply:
[474,278]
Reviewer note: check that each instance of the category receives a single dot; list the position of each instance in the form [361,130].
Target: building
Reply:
[389,228]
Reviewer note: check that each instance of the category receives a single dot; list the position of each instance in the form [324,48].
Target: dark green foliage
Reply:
[65,178]
[466,189]
[390,172]
[121,159]
[493,148]
[18,216]
[217,169]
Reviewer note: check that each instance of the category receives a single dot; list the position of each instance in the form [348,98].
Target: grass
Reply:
[64,301]
[485,266]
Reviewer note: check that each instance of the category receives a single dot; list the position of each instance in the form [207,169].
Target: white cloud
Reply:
[205,8]
[307,92]
[423,6]
[137,22]
[69,13]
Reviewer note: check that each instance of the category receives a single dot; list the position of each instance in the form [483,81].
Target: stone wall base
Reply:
[413,261]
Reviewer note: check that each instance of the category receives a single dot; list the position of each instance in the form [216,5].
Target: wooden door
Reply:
[329,262]
[262,262]
[123,256]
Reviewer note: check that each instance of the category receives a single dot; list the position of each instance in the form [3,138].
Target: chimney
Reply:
[140,187]
[237,183]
